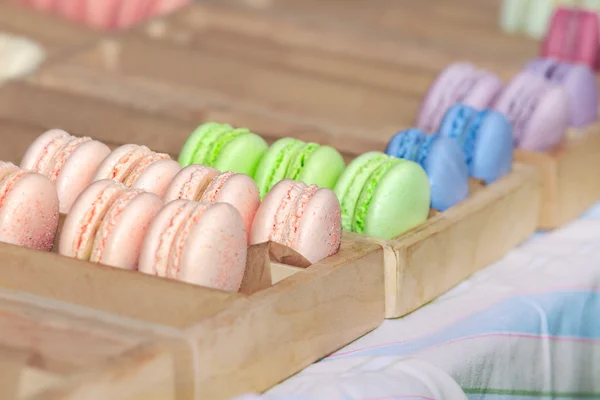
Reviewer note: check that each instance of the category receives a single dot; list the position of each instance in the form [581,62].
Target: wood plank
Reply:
[569,176]
[58,37]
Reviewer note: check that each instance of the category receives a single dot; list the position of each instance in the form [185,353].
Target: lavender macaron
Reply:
[579,82]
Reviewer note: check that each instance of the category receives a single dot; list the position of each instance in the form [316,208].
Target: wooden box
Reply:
[54,350]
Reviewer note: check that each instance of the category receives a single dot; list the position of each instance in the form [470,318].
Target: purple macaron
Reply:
[578,81]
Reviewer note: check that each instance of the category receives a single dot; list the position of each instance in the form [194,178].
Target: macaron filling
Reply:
[366,195]
[214,188]
[125,165]
[469,138]
[180,239]
[424,150]
[223,140]
[141,166]
[291,228]
[91,220]
[61,156]
[167,238]
[350,198]
[8,182]
[300,159]
[280,166]
[48,152]
[109,222]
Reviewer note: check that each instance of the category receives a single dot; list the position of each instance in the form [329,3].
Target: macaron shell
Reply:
[124,242]
[78,172]
[154,255]
[241,192]
[121,162]
[242,154]
[29,213]
[484,92]
[157,177]
[87,200]
[265,218]
[274,163]
[537,17]
[190,182]
[43,147]
[215,250]
[549,123]
[580,84]
[400,201]
[323,168]
[319,229]
[552,46]
[447,173]
[587,41]
[493,155]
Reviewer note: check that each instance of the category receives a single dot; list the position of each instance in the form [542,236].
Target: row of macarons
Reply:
[105,14]
[541,102]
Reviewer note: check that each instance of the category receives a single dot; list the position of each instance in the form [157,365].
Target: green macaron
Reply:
[222,147]
[383,196]
[290,158]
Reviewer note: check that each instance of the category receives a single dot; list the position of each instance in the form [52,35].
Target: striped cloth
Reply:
[526,327]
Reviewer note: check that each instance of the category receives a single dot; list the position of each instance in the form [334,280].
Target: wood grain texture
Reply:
[569,177]
[265,338]
[427,261]
[57,36]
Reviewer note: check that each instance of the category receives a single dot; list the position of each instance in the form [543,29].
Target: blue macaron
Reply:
[441,158]
[485,138]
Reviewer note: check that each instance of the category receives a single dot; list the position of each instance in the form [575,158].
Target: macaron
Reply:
[442,159]
[107,224]
[28,208]
[139,167]
[68,161]
[579,82]
[539,111]
[573,36]
[383,196]
[485,137]
[222,147]
[197,242]
[457,83]
[290,158]
[301,217]
[102,15]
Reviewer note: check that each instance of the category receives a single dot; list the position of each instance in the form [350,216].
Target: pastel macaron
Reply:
[485,137]
[139,167]
[442,159]
[304,218]
[108,223]
[383,196]
[539,111]
[573,36]
[225,148]
[197,242]
[68,161]
[29,208]
[290,158]
[579,82]
[457,83]
[200,183]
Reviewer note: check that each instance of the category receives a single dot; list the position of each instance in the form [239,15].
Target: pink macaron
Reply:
[200,183]
[139,167]
[539,111]
[457,83]
[68,161]
[28,208]
[73,10]
[107,224]
[304,218]
[197,242]
[103,14]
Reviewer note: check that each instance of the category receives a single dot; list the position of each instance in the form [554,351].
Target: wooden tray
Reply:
[54,350]
[56,36]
